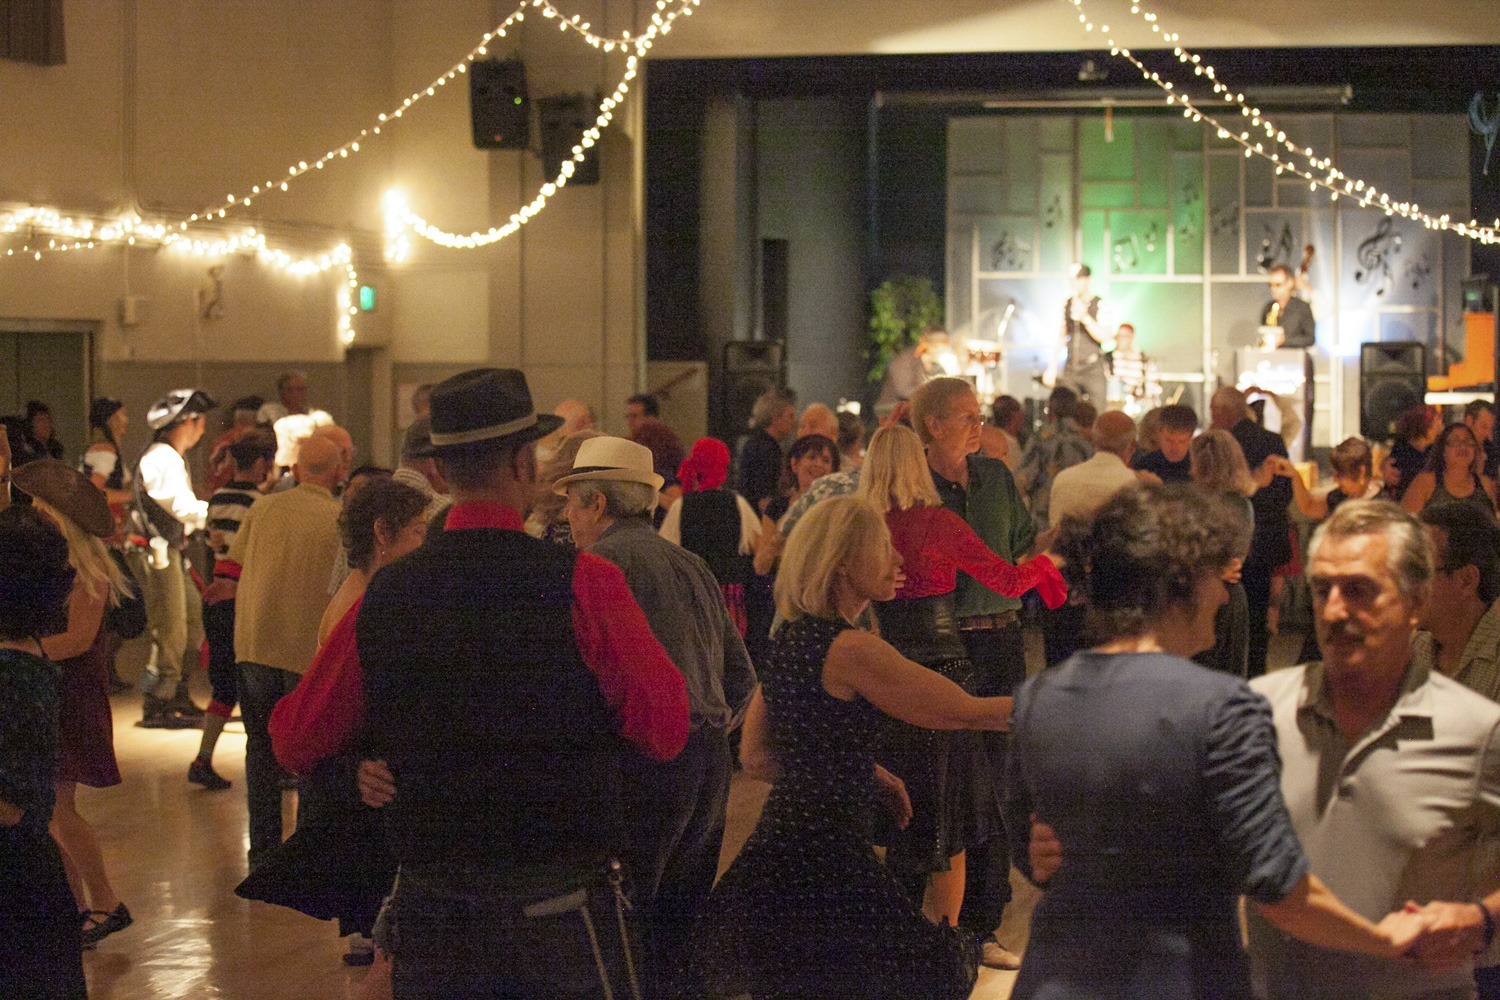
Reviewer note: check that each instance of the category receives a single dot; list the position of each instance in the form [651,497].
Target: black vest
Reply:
[504,750]
[710,529]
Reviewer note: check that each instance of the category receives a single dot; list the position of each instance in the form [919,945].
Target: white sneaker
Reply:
[995,956]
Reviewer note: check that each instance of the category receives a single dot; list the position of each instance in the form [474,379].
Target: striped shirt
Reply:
[226,510]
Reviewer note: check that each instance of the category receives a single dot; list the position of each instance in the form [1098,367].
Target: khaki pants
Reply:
[174,615]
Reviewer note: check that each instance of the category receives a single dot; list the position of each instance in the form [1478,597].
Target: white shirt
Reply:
[1083,488]
[164,477]
[291,429]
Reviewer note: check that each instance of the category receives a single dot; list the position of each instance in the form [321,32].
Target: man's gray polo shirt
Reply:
[1401,813]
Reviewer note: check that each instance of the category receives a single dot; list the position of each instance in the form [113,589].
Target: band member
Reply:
[1133,371]
[1294,318]
[1084,370]
[910,368]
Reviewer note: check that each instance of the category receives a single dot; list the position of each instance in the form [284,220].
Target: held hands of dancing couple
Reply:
[1437,937]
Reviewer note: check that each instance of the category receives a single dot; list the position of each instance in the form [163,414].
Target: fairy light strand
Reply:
[401,219]
[1319,172]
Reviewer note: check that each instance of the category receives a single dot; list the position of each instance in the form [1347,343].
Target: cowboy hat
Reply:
[178,403]
[68,491]
[485,407]
[611,459]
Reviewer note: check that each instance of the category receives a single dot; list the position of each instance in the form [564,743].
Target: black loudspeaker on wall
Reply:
[1392,378]
[498,105]
[564,118]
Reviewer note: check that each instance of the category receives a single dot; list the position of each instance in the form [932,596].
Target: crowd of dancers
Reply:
[508,678]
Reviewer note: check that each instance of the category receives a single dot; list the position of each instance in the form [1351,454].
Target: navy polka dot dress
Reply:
[807,909]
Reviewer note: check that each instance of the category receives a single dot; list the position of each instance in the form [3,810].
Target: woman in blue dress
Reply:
[1161,778]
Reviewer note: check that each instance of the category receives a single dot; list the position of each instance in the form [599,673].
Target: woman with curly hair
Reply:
[1161,780]
[1449,476]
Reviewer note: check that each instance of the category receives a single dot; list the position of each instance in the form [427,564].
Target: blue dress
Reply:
[807,910]
[1163,782]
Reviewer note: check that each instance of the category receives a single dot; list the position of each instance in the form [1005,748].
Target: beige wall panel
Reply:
[441,316]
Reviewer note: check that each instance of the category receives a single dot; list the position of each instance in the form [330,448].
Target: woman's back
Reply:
[1163,783]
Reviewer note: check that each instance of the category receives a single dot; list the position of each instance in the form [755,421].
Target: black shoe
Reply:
[104,924]
[201,772]
[118,684]
[183,704]
[158,713]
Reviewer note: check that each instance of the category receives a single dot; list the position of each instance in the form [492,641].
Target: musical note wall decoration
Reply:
[1009,253]
[1275,249]
[1150,238]
[1052,212]
[1418,271]
[1374,256]
[1224,219]
[1485,125]
[1126,253]
[1192,196]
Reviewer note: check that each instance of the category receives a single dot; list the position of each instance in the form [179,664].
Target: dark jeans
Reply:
[223,671]
[261,687]
[455,936]
[1062,631]
[674,813]
[999,657]
[1256,578]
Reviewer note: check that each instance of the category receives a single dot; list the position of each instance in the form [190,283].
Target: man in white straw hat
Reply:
[675,810]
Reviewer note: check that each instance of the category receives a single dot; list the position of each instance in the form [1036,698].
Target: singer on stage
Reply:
[1085,371]
[1294,317]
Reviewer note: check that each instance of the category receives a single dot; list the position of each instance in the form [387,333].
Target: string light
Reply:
[131,230]
[1317,171]
[661,23]
[400,218]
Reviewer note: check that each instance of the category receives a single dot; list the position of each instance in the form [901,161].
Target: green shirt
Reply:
[992,506]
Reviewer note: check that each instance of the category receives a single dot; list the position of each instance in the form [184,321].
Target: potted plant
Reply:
[900,309]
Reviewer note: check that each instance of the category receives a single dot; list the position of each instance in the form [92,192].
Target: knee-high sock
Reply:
[213,725]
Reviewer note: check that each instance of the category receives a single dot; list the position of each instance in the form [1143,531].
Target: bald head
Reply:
[318,461]
[1227,408]
[819,419]
[1114,432]
[577,416]
[343,441]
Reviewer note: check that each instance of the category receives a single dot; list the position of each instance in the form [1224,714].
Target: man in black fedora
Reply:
[504,679]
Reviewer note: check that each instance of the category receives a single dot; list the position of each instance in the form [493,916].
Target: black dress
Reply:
[41,955]
[807,910]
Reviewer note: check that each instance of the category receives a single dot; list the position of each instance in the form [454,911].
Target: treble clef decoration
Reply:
[1485,125]
[1375,253]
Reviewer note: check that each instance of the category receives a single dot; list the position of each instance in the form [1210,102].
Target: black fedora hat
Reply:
[484,407]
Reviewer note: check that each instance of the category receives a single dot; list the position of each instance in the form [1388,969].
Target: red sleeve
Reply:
[969,553]
[320,717]
[634,672]
[227,569]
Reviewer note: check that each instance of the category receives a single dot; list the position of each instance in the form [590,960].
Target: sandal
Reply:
[98,925]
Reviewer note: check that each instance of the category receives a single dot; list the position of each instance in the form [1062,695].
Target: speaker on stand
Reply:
[750,368]
[1392,378]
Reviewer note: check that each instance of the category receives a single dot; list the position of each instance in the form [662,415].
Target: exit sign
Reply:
[367,298]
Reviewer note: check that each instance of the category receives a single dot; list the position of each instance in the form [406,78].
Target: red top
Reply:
[637,678]
[936,543]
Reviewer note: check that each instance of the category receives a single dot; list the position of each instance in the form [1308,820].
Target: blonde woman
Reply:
[807,909]
[946,774]
[1219,469]
[546,520]
[85,654]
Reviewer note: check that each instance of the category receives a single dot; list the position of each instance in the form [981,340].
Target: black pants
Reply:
[40,954]
[261,687]
[674,813]
[999,658]
[1062,632]
[223,671]
[454,936]
[1256,578]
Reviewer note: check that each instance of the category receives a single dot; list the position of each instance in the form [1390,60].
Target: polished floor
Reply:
[176,852]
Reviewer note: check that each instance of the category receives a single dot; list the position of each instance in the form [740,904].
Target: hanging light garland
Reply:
[67,233]
[400,218]
[1300,161]
[660,24]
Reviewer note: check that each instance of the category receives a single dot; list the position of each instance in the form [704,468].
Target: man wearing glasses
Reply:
[1294,319]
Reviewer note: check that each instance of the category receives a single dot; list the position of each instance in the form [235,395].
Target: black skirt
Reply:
[41,952]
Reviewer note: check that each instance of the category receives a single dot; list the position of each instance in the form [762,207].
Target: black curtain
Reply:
[32,31]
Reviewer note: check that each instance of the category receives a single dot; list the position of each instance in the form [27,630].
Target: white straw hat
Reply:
[612,459]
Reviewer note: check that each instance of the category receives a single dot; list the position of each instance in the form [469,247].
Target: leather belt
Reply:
[975,623]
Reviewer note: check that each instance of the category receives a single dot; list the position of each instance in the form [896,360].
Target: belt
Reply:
[975,623]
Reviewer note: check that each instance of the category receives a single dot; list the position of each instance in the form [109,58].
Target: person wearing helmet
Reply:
[165,511]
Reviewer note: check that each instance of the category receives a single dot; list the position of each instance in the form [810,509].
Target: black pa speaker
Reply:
[564,118]
[498,105]
[1392,378]
[750,368]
